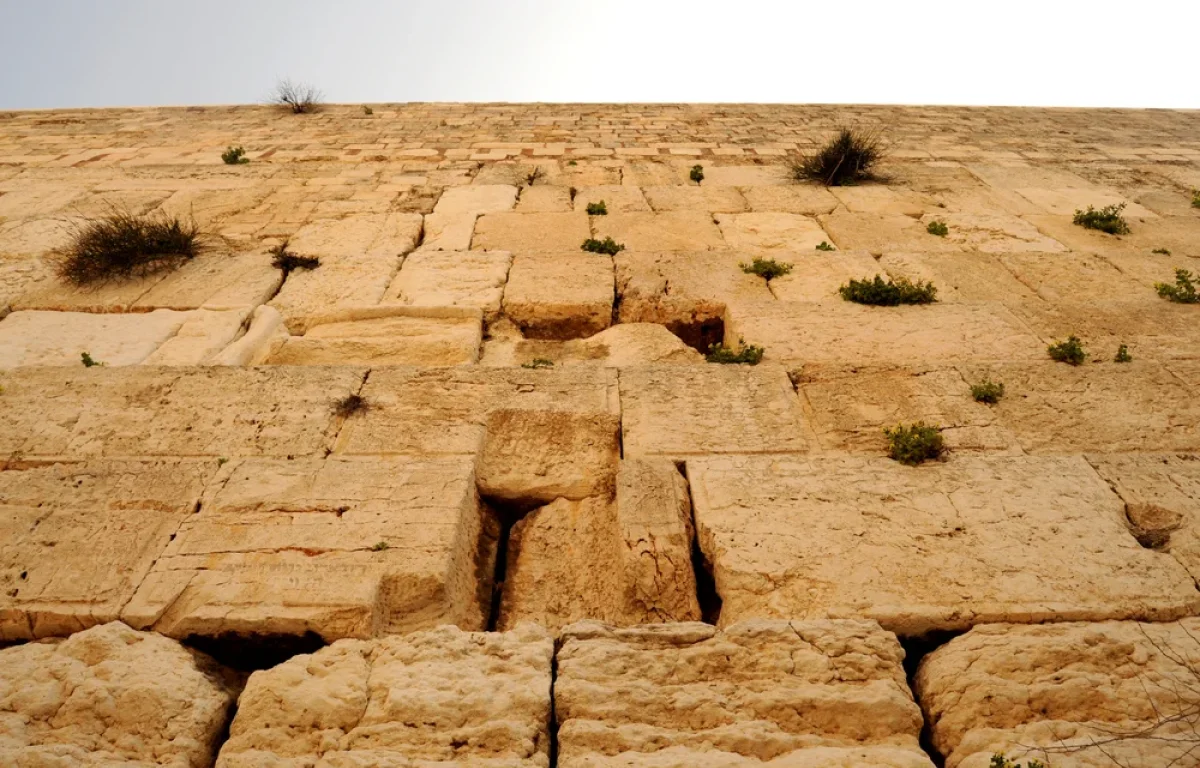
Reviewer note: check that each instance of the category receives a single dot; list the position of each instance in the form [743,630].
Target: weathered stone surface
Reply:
[1076,278]
[17,274]
[448,232]
[770,234]
[544,199]
[111,696]
[266,331]
[707,198]
[805,199]
[560,295]
[620,346]
[881,232]
[77,539]
[1071,695]
[476,199]
[939,547]
[876,198]
[216,281]
[1159,330]
[350,238]
[616,198]
[811,693]
[958,277]
[469,699]
[524,233]
[55,295]
[342,548]
[993,233]
[340,283]
[682,411]
[203,335]
[817,275]
[432,341]
[673,231]
[60,338]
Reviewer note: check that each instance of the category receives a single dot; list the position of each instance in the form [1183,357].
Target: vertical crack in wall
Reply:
[916,648]
[508,513]
[552,726]
[706,585]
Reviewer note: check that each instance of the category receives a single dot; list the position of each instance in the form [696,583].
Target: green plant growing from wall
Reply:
[938,228]
[743,354]
[597,209]
[848,158]
[697,174]
[1107,219]
[1183,291]
[913,444]
[606,246]
[1070,351]
[767,269]
[235,156]
[890,293]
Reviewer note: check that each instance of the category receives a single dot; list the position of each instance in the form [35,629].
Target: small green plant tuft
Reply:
[1184,290]
[367,110]
[235,156]
[1107,219]
[1196,198]
[123,245]
[988,392]
[888,294]
[824,246]
[745,354]
[606,246]
[1162,251]
[597,209]
[1000,761]
[350,405]
[573,162]
[768,269]
[1123,355]
[87,360]
[380,546]
[289,262]
[697,174]
[538,362]
[913,444]
[938,228]
[297,98]
[1070,351]
[848,158]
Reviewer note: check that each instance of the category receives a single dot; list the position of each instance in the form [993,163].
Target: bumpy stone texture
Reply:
[803,693]
[620,346]
[398,340]
[1072,695]
[111,696]
[560,295]
[440,697]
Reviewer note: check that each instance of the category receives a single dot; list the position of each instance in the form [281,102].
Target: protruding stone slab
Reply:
[401,340]
[452,279]
[111,696]
[77,539]
[801,693]
[937,547]
[1071,695]
[560,295]
[469,699]
[201,338]
[355,548]
[33,338]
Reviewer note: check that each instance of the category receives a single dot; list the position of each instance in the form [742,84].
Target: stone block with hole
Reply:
[452,279]
[621,346]
[560,295]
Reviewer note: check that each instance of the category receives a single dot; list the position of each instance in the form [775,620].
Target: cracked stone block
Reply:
[56,295]
[476,199]
[683,411]
[994,233]
[809,200]
[377,235]
[111,696]
[770,234]
[1071,695]
[843,332]
[882,232]
[342,548]
[523,233]
[1076,278]
[186,412]
[707,198]
[339,283]
[202,336]
[1159,330]
[673,231]
[77,539]
[944,546]
[469,699]
[616,198]
[34,338]
[452,279]
[1057,408]
[1067,200]
[958,277]
[801,693]
[817,275]
[216,281]
[448,232]
[403,340]
[560,295]
[445,411]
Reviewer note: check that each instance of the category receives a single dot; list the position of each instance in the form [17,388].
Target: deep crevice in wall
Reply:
[552,726]
[508,513]
[699,334]
[707,595]
[916,648]
[252,651]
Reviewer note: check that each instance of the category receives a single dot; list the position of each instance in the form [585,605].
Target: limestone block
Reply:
[801,693]
[817,275]
[544,199]
[673,231]
[38,200]
[994,233]
[616,198]
[945,546]
[36,236]
[531,232]
[266,332]
[1077,278]
[708,198]
[433,341]
[1159,330]
[341,282]
[476,199]
[354,548]
[111,696]
[770,234]
[806,199]
[958,277]
[469,699]
[1178,234]
[545,455]
[682,411]
[150,411]
[746,176]
[56,295]
[452,279]
[204,334]
[842,332]
[448,232]
[444,412]
[379,235]
[621,346]
[216,281]
[77,539]
[18,274]
[560,295]
[876,198]
[1146,268]
[1065,201]
[882,232]
[60,338]
[1056,408]
[1052,692]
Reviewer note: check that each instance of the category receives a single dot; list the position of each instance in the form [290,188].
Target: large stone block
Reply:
[817,275]
[707,198]
[216,281]
[673,231]
[993,233]
[340,283]
[531,232]
[378,235]
[801,693]
[33,338]
[400,340]
[880,233]
[958,277]
[452,279]
[560,295]
[1150,327]
[770,234]
[476,199]
[938,547]
[621,346]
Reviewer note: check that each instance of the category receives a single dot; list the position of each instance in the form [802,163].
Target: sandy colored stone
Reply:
[544,199]
[342,548]
[216,281]
[111,696]
[683,411]
[1030,691]
[476,199]
[37,236]
[881,232]
[1178,234]
[531,232]
[77,539]
[201,337]
[817,275]
[1076,278]
[958,277]
[1160,330]
[616,198]
[444,412]
[560,295]
[1066,201]
[452,279]
[265,333]
[448,232]
[38,199]
[770,234]
[56,295]
[993,233]
[340,282]
[707,198]
[545,455]
[943,546]
[673,231]
[377,235]
[746,176]
[212,411]
[18,274]
[876,198]
[621,346]
[804,693]
[807,199]
[60,338]
[432,341]
[470,699]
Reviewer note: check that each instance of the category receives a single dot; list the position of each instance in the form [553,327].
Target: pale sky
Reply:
[70,53]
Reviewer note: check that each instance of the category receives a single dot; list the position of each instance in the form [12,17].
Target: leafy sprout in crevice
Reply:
[1184,289]
[743,354]
[768,269]
[538,362]
[289,262]
[913,444]
[234,156]
[697,173]
[889,293]
[938,228]
[1123,355]
[825,246]
[597,209]
[987,392]
[606,246]
[1108,219]
[88,362]
[349,405]
[1070,351]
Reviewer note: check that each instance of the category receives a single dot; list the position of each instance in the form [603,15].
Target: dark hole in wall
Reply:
[699,334]
[915,650]
[706,586]
[252,651]
[508,512]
